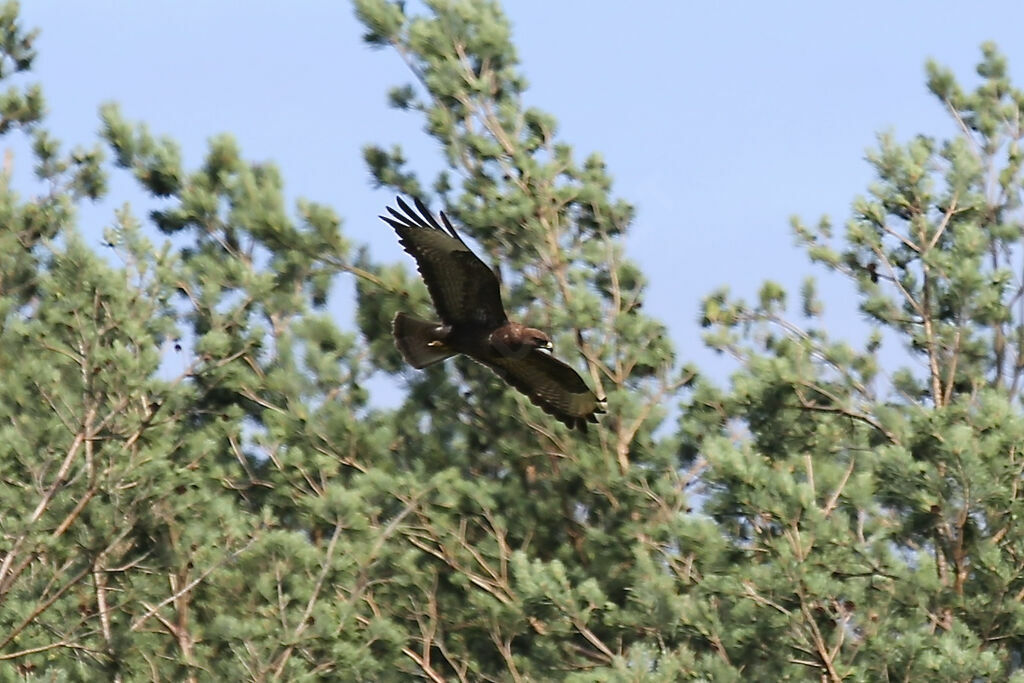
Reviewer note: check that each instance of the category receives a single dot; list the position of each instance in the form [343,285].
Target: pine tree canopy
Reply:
[196,483]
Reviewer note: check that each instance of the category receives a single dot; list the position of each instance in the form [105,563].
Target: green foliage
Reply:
[540,572]
[875,517]
[197,486]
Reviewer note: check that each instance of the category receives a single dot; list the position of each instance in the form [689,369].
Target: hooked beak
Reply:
[547,346]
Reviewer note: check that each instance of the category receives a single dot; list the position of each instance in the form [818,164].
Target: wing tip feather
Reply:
[420,217]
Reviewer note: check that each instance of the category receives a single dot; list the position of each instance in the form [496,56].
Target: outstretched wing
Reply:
[550,384]
[465,291]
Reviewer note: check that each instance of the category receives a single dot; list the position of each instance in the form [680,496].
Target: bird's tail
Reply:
[418,341]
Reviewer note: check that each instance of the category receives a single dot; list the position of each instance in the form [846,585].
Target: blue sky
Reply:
[718,120]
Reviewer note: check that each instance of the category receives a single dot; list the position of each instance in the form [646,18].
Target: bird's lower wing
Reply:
[551,385]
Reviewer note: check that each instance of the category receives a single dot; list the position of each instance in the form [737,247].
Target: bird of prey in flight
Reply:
[467,296]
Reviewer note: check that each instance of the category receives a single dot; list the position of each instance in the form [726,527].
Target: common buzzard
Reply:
[467,297]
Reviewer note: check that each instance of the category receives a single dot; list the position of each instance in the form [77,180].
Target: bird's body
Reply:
[424,343]
[467,296]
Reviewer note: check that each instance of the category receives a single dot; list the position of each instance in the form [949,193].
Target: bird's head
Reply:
[515,340]
[537,339]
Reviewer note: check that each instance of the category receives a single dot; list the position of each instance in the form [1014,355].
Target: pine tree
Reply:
[531,550]
[872,513]
[179,422]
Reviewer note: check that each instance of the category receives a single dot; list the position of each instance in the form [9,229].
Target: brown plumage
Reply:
[467,297]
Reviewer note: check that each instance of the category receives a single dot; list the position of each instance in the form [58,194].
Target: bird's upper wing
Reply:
[464,289]
[550,384]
